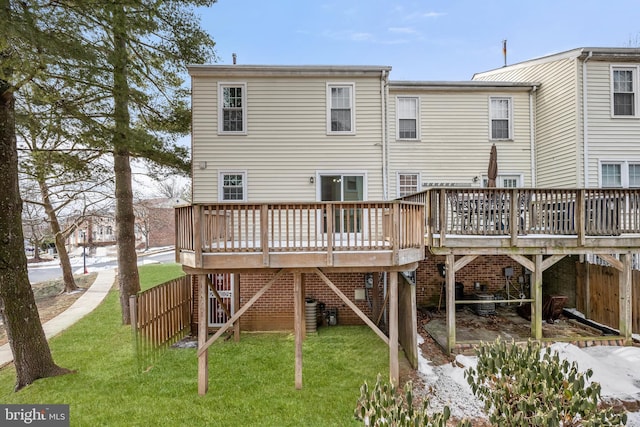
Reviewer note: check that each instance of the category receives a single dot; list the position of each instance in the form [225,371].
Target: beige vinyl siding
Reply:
[454,145]
[610,139]
[558,124]
[287,140]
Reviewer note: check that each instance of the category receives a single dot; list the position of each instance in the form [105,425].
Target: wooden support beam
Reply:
[523,261]
[298,325]
[352,306]
[394,366]
[624,292]
[451,302]
[615,263]
[203,356]
[536,295]
[548,262]
[236,304]
[223,328]
[463,261]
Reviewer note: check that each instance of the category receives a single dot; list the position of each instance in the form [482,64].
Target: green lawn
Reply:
[250,382]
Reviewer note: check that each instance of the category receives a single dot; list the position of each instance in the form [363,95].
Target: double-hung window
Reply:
[233,186]
[620,174]
[624,88]
[408,183]
[340,108]
[408,113]
[501,113]
[232,117]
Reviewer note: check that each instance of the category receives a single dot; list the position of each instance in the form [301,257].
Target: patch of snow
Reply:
[614,367]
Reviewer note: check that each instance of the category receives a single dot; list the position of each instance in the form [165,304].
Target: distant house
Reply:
[587,116]
[155,221]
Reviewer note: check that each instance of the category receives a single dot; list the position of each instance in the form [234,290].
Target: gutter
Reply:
[384,93]
[532,132]
[585,128]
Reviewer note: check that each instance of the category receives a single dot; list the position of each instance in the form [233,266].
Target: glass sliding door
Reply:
[343,188]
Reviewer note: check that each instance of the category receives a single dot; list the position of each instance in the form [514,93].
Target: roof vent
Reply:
[235,57]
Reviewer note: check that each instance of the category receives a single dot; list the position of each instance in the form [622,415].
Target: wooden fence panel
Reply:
[601,302]
[161,316]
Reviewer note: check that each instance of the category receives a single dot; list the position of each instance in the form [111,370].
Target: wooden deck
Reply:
[363,235]
[535,227]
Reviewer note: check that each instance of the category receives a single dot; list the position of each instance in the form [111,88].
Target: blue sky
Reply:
[421,40]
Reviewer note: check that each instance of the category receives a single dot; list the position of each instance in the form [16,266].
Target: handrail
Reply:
[517,212]
[298,227]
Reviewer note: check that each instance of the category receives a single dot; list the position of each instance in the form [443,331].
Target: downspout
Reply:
[585,131]
[384,93]
[532,143]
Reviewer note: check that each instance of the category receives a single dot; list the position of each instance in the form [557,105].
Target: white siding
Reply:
[454,145]
[286,141]
[610,139]
[558,123]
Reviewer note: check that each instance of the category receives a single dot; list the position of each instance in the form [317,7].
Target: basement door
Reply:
[223,283]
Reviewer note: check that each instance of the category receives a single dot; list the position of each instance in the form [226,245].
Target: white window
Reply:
[500,112]
[408,183]
[505,181]
[340,108]
[624,88]
[408,113]
[233,186]
[622,174]
[232,110]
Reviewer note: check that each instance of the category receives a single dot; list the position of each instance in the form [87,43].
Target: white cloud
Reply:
[404,30]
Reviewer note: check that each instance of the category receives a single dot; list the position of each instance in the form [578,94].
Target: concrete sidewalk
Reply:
[84,305]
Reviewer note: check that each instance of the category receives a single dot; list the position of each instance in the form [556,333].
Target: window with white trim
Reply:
[340,114]
[500,112]
[622,174]
[624,88]
[233,186]
[505,181]
[232,115]
[407,110]
[408,183]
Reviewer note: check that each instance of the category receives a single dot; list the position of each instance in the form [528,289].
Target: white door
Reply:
[223,284]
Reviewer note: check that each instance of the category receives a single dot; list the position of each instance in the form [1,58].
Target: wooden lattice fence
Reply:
[160,316]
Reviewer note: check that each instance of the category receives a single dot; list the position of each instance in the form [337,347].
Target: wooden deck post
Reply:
[624,292]
[536,295]
[394,366]
[451,304]
[299,318]
[203,359]
[236,305]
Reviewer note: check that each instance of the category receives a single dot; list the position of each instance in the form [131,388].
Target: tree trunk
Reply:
[31,352]
[128,278]
[63,255]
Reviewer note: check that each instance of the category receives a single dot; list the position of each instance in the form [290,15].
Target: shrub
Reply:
[385,405]
[520,386]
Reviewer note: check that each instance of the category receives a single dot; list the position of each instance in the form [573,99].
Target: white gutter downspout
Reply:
[532,131]
[585,128]
[384,93]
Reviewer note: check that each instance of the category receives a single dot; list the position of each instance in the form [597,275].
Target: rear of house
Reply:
[586,114]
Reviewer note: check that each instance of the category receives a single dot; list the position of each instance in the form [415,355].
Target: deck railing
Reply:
[520,212]
[291,227]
